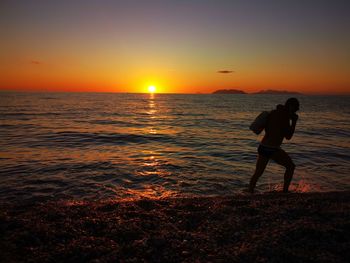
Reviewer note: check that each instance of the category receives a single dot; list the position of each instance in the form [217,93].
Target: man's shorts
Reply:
[267,151]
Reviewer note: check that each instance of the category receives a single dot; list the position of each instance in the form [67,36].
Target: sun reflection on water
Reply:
[151,105]
[150,161]
[152,114]
[149,192]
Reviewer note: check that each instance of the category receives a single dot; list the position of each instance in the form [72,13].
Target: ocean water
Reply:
[88,146]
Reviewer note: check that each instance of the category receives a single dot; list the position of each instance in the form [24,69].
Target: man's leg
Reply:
[282,158]
[261,163]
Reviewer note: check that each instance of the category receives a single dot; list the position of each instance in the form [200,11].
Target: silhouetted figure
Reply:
[280,124]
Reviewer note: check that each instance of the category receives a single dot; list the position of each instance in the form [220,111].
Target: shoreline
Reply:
[266,227]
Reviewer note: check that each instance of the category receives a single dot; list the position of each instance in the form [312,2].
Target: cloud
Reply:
[35,62]
[225,71]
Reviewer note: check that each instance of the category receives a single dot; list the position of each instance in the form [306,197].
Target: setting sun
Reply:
[151,89]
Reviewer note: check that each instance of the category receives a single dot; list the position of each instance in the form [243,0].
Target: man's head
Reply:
[292,104]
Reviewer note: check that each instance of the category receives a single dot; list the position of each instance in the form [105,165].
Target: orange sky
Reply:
[177,47]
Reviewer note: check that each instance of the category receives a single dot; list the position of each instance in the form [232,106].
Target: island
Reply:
[229,91]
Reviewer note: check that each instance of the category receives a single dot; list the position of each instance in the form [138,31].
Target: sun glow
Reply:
[151,89]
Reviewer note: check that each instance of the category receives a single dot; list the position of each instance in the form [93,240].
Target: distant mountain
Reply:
[229,91]
[271,91]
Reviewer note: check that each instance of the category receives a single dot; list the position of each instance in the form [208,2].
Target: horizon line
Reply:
[296,93]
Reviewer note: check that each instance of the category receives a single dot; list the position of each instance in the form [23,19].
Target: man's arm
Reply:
[291,128]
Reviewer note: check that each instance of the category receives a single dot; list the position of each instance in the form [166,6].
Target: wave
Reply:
[81,139]
[109,122]
[87,146]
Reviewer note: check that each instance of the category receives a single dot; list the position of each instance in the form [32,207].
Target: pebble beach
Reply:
[267,227]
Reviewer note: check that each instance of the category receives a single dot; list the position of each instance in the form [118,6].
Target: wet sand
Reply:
[269,227]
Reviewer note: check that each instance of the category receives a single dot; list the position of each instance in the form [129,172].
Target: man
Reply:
[280,124]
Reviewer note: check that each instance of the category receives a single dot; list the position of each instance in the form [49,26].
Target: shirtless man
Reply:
[277,128]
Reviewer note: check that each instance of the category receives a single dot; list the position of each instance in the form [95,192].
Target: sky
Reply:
[177,46]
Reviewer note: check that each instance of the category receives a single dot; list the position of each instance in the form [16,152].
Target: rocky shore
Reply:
[269,227]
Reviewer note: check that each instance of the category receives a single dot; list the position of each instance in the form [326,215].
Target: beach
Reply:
[266,227]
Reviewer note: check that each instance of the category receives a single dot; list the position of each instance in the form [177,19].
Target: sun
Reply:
[151,89]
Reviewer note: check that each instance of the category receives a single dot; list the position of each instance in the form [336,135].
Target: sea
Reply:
[98,146]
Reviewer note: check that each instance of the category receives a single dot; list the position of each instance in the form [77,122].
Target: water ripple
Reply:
[95,146]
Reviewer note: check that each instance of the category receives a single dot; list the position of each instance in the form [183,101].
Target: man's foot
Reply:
[248,190]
